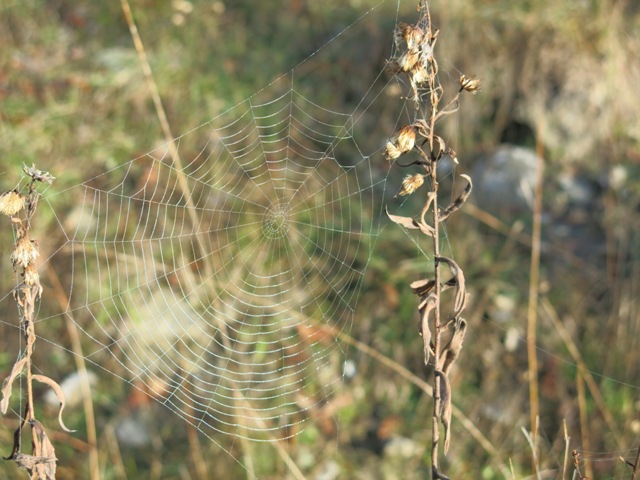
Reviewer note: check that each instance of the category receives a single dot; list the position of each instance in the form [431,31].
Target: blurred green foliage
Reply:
[73,101]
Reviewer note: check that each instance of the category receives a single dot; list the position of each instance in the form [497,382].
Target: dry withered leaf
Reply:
[422,287]
[29,462]
[59,393]
[426,306]
[445,410]
[452,350]
[44,449]
[461,291]
[8,382]
[410,223]
[458,202]
[406,222]
[439,147]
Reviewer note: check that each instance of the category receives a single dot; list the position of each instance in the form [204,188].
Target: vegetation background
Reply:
[563,75]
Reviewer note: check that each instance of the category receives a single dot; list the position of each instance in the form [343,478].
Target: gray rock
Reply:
[504,180]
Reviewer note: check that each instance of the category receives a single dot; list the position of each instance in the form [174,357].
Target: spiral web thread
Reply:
[225,300]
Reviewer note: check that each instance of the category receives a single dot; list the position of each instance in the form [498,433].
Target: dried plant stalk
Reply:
[41,463]
[415,59]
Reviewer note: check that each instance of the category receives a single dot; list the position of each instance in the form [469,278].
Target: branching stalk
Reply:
[21,208]
[415,59]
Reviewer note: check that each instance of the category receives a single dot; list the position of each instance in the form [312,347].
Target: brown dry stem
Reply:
[415,59]
[41,463]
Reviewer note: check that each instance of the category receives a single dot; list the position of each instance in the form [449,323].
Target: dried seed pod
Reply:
[471,85]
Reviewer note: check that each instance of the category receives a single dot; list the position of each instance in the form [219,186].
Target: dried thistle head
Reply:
[408,60]
[31,276]
[419,74]
[402,142]
[24,253]
[410,184]
[410,35]
[469,84]
[11,203]
[38,175]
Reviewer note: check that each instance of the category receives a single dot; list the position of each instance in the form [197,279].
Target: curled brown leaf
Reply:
[426,306]
[410,223]
[422,287]
[458,202]
[461,291]
[452,350]
[406,222]
[59,393]
[445,410]
[8,382]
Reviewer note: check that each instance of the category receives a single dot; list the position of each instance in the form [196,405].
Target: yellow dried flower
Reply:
[11,203]
[410,184]
[31,276]
[24,252]
[471,85]
[402,142]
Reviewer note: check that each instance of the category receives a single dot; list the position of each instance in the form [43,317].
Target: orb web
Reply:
[221,286]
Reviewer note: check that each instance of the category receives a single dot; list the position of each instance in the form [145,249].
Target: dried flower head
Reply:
[409,59]
[38,175]
[24,252]
[471,85]
[11,203]
[419,74]
[402,142]
[412,35]
[410,184]
[408,35]
[31,276]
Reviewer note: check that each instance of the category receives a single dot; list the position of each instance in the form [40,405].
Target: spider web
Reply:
[220,285]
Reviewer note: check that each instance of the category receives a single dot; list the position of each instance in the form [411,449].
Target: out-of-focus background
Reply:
[563,76]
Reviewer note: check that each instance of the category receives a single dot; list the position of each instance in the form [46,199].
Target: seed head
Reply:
[402,142]
[11,203]
[471,85]
[410,184]
[419,74]
[413,35]
[38,175]
[31,276]
[24,252]
[408,60]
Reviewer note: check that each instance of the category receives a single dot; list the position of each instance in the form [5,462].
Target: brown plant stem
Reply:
[532,310]
[437,334]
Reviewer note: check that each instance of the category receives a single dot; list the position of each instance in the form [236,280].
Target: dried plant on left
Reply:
[20,208]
